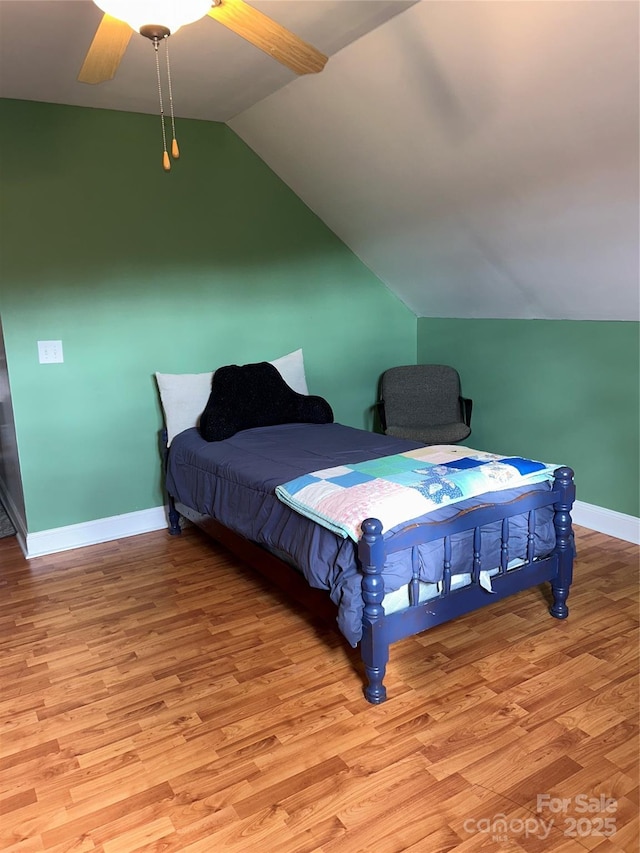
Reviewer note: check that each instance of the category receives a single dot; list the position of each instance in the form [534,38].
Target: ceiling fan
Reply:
[122,17]
[158,19]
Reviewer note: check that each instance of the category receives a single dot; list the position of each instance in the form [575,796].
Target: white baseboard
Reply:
[607,521]
[94,532]
[597,518]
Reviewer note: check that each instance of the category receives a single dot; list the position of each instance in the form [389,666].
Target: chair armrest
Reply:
[466,405]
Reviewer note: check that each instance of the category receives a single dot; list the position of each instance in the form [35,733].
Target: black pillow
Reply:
[256,395]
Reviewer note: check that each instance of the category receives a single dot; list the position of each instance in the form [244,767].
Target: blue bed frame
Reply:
[380,629]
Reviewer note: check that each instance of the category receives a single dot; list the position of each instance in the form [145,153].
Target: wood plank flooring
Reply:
[156,695]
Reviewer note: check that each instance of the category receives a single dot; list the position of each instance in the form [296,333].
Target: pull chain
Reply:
[175,151]
[166,163]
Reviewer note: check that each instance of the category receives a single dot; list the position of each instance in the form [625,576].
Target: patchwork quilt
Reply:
[397,489]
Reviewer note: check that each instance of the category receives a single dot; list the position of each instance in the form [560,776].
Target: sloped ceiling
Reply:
[480,157]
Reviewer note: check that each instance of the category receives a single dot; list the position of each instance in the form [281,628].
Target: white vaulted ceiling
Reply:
[480,157]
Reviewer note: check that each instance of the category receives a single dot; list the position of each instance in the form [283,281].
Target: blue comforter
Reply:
[234,481]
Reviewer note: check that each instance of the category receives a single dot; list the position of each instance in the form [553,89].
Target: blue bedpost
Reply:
[172,513]
[374,647]
[174,517]
[563,483]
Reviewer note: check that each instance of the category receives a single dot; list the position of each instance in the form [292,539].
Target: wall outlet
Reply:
[50,352]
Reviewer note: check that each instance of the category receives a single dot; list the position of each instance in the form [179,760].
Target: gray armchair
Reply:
[422,402]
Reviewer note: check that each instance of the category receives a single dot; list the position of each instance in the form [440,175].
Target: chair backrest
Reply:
[421,394]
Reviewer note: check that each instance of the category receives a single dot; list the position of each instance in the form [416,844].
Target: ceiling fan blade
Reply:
[106,51]
[269,36]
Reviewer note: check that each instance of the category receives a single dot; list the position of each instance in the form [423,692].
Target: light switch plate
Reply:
[50,352]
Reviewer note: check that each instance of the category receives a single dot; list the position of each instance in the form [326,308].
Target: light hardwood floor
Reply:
[158,696]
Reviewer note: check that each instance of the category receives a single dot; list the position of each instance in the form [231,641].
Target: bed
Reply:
[387,580]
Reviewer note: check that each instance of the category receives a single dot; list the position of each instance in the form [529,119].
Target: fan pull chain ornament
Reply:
[166,164]
[155,34]
[175,151]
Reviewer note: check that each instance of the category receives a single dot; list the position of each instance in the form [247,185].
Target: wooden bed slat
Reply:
[531,543]
[504,546]
[477,555]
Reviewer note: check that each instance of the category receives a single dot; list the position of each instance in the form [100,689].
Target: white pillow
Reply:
[184,395]
[291,368]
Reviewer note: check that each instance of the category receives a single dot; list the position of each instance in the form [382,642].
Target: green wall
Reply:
[218,261]
[136,270]
[559,391]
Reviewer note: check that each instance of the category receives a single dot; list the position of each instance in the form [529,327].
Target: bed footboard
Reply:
[380,629]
